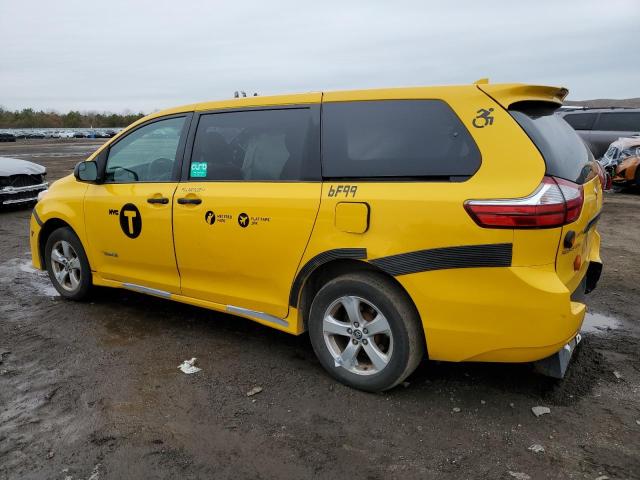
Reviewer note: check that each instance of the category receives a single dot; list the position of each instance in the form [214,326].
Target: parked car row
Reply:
[95,134]
[10,135]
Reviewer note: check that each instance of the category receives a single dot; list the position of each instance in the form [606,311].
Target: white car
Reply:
[20,181]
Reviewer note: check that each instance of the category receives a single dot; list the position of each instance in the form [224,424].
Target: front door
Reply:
[128,217]
[245,211]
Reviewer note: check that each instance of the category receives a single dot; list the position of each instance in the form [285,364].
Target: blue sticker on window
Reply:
[198,169]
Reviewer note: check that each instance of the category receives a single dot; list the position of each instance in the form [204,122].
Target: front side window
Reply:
[148,154]
[396,138]
[256,145]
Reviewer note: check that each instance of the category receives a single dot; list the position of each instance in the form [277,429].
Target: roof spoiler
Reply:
[508,94]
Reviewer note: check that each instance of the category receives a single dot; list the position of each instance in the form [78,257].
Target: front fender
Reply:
[63,203]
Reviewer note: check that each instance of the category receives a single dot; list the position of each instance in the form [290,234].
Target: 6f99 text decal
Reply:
[344,190]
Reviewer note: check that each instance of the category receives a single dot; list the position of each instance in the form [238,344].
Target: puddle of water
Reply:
[21,269]
[46,290]
[26,267]
[599,323]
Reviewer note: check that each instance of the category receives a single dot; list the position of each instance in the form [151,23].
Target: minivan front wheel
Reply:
[365,331]
[67,264]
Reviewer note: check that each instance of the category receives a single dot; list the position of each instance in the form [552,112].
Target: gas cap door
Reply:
[352,217]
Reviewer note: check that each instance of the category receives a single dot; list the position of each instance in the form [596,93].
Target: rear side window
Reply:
[565,154]
[581,121]
[395,138]
[619,121]
[256,145]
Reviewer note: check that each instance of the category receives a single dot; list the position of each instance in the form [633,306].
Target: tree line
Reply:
[29,118]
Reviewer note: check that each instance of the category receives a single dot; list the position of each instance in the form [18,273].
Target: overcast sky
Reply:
[135,55]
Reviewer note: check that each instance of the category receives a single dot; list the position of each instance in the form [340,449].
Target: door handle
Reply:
[189,201]
[160,200]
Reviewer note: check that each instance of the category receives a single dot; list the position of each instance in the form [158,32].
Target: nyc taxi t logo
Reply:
[130,219]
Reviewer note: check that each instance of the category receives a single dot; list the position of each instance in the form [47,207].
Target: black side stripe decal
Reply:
[468,256]
[591,223]
[35,215]
[315,262]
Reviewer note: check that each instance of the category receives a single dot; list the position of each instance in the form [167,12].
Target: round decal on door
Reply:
[243,220]
[130,220]
[210,217]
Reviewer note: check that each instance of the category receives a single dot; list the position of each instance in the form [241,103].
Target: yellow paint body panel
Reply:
[585,240]
[518,313]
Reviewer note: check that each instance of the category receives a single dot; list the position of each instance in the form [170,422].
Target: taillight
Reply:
[555,202]
[603,176]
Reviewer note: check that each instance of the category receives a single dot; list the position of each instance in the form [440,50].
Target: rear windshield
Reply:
[565,154]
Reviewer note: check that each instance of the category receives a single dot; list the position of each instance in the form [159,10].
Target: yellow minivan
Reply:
[455,223]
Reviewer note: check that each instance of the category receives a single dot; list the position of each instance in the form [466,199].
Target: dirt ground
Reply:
[92,390]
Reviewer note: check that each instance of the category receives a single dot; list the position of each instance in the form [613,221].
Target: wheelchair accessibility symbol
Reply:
[484,118]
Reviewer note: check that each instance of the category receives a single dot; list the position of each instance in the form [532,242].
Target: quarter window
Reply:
[395,138]
[148,154]
[256,145]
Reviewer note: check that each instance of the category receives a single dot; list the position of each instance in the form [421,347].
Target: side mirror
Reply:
[86,171]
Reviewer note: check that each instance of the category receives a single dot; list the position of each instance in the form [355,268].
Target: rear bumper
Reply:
[556,365]
[513,314]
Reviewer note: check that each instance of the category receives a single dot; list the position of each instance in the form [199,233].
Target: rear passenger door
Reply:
[246,206]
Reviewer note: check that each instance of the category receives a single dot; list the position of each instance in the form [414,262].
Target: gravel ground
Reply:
[92,390]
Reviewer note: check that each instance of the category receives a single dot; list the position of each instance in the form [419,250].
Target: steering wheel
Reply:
[135,175]
[160,169]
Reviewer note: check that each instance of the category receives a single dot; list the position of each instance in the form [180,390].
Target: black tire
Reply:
[68,290]
[372,291]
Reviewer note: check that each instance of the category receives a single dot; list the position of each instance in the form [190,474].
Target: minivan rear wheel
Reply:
[67,264]
[365,331]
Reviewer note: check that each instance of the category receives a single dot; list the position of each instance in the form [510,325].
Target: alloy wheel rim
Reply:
[357,335]
[65,264]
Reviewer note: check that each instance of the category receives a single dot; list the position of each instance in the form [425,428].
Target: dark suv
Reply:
[598,127]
